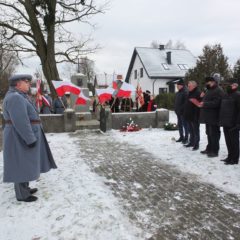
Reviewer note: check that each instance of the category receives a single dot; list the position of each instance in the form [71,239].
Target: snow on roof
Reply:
[156,65]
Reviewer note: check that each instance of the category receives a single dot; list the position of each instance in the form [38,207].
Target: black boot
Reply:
[188,145]
[179,140]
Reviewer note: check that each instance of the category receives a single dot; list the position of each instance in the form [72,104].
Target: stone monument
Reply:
[80,80]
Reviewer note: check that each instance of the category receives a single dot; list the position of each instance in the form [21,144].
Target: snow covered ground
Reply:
[162,144]
[75,204]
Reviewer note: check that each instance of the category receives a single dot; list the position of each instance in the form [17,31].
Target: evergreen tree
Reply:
[236,70]
[211,61]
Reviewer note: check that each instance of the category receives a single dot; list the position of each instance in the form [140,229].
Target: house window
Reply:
[141,72]
[162,90]
[165,66]
[135,74]
[183,66]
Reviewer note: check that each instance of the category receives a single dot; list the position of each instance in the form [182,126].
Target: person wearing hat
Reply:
[209,114]
[26,152]
[230,120]
[180,100]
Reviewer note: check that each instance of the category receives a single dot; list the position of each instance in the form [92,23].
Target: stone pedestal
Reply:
[69,120]
[162,117]
[105,119]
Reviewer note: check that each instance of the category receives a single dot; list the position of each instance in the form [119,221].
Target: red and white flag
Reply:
[62,87]
[139,96]
[123,89]
[104,94]
[81,99]
[38,95]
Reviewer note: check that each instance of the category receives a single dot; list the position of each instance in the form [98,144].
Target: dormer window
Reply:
[165,66]
[183,66]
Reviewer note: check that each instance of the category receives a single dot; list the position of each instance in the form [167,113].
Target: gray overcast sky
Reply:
[130,23]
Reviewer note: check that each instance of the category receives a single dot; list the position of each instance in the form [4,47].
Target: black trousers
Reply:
[232,141]
[194,133]
[213,136]
[182,127]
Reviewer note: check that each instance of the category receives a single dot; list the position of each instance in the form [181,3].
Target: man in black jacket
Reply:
[209,115]
[180,99]
[191,115]
[230,120]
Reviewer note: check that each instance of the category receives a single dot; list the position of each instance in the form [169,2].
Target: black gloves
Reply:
[31,145]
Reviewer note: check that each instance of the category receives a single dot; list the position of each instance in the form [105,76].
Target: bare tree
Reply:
[87,68]
[8,62]
[41,26]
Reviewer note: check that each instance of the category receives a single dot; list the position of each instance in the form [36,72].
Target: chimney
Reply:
[169,57]
[161,47]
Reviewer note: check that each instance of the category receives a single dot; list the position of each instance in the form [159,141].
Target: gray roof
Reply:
[155,62]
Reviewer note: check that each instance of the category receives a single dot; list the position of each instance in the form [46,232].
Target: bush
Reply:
[165,100]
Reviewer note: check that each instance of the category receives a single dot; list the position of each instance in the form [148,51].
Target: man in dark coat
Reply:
[191,115]
[60,104]
[146,96]
[26,153]
[180,99]
[209,115]
[230,120]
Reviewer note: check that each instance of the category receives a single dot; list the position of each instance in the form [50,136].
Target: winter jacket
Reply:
[191,111]
[26,153]
[230,110]
[209,113]
[180,100]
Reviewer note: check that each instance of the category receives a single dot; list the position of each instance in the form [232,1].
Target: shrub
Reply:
[165,100]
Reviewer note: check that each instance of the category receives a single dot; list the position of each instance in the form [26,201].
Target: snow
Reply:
[75,203]
[162,144]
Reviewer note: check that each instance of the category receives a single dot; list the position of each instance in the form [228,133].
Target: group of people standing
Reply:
[48,105]
[215,108]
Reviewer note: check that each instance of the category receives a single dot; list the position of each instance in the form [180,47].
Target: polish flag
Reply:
[139,96]
[104,94]
[81,99]
[123,89]
[39,95]
[62,87]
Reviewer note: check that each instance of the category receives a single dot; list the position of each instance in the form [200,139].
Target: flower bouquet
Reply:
[130,126]
[170,126]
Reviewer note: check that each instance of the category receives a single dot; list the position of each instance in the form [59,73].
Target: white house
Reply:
[155,68]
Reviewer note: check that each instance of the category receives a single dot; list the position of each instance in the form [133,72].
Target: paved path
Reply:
[161,200]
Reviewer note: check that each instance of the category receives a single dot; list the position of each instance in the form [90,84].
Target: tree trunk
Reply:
[51,73]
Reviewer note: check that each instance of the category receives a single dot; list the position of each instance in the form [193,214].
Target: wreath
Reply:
[170,126]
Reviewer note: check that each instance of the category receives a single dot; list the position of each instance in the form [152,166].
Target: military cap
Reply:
[18,77]
[179,81]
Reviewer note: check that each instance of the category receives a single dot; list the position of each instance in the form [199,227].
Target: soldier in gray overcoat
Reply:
[26,152]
